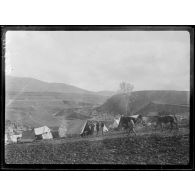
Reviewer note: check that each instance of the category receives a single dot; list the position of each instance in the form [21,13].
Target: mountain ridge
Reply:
[27,84]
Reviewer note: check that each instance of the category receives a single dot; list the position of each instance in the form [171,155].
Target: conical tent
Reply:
[105,129]
[72,127]
[116,123]
[83,128]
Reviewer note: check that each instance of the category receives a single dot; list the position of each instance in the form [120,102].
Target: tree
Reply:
[126,89]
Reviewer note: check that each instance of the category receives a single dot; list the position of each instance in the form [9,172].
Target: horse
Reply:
[160,120]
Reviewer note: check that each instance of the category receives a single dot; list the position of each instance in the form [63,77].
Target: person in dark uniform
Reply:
[97,127]
[102,127]
[131,127]
[92,128]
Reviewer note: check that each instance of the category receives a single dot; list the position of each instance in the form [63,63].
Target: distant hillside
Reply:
[106,93]
[36,103]
[75,115]
[44,108]
[167,108]
[140,99]
[33,85]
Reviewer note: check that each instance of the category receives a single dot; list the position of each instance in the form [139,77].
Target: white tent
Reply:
[6,139]
[105,129]
[14,138]
[44,131]
[115,123]
[83,128]
[47,135]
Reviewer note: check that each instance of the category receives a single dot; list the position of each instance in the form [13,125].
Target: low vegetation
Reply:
[153,148]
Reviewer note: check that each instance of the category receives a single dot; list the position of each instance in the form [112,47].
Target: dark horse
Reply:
[124,120]
[172,120]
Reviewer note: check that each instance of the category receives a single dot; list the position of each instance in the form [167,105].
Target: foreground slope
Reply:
[154,149]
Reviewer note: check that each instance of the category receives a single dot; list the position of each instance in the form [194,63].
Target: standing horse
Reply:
[172,120]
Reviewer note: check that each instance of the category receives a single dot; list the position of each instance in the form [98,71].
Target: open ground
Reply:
[147,147]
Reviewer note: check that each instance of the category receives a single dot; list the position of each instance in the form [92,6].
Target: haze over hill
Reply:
[140,99]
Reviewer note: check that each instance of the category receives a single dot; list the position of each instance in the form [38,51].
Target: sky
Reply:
[100,60]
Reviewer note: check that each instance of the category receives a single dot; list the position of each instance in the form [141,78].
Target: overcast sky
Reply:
[100,60]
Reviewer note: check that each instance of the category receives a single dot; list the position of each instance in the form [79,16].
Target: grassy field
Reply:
[153,148]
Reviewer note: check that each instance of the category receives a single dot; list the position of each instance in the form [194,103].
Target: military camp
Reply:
[91,97]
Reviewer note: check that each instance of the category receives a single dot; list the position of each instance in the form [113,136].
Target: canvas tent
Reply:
[55,134]
[85,128]
[28,136]
[105,129]
[7,139]
[44,131]
[116,123]
[14,138]
[71,127]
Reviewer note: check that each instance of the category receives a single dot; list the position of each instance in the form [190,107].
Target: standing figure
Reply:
[92,128]
[102,127]
[131,127]
[97,128]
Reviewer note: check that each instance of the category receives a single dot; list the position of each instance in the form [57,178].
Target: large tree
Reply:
[126,89]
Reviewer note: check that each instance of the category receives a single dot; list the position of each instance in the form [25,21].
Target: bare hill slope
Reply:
[33,85]
[140,99]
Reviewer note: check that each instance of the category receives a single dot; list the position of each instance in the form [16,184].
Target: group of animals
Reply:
[125,122]
[157,121]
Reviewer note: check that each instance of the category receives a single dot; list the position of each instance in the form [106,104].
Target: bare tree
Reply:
[126,89]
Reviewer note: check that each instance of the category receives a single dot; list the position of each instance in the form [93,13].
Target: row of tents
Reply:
[68,128]
[29,136]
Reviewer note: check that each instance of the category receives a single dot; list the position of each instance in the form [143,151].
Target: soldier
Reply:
[97,128]
[92,128]
[131,126]
[102,127]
